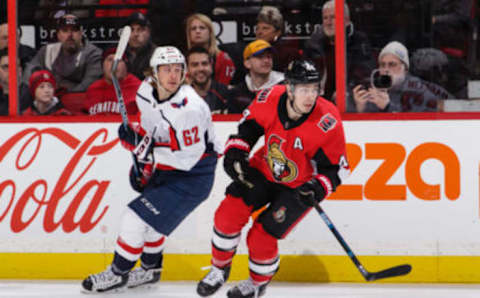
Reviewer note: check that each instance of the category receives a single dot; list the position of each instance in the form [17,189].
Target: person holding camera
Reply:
[392,88]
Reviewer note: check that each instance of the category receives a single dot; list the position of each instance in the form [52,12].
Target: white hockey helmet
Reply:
[167,55]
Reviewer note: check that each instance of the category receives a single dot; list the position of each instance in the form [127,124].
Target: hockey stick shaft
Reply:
[121,47]
[369,276]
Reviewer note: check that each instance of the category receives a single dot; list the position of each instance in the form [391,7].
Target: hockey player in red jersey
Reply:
[301,162]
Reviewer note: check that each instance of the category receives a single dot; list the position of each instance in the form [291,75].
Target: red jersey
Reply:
[101,98]
[294,151]
[224,68]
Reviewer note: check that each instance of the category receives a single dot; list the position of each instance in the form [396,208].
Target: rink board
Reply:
[413,197]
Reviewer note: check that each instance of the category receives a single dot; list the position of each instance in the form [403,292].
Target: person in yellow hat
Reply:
[258,60]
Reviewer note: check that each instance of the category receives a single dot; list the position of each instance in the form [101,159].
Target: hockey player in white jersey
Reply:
[177,151]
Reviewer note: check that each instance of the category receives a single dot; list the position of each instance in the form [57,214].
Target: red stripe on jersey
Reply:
[128,248]
[164,167]
[156,243]
[174,146]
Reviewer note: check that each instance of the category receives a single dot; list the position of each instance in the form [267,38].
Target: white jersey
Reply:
[181,126]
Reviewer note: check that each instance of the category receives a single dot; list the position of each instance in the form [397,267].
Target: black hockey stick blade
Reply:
[390,272]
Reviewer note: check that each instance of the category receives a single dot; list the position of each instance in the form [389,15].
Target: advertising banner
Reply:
[413,191]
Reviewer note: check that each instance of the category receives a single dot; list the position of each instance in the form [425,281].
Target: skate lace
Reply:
[247,287]
[214,276]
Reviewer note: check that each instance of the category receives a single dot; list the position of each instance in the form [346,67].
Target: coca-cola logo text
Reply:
[30,140]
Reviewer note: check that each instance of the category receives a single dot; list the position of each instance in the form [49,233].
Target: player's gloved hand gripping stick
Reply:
[235,162]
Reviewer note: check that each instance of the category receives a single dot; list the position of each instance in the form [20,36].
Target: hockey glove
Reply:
[141,146]
[313,192]
[235,162]
[139,180]
[128,137]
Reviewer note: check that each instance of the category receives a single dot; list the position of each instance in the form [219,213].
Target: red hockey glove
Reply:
[315,190]
[235,162]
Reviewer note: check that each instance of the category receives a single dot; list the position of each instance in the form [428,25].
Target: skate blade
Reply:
[113,291]
[147,286]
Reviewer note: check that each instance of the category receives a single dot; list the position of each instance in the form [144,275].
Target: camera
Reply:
[381,81]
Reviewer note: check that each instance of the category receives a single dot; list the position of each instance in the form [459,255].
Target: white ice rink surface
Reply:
[71,289]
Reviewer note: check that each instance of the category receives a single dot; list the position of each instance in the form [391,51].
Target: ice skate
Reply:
[141,277]
[105,281]
[215,278]
[247,289]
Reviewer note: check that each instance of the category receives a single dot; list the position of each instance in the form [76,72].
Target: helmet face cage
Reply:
[167,55]
[302,72]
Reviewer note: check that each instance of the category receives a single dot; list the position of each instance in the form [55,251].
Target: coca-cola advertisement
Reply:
[60,180]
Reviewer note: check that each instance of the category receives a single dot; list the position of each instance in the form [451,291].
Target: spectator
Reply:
[42,86]
[200,73]
[257,58]
[270,27]
[50,8]
[140,46]
[101,98]
[407,93]
[24,93]
[25,53]
[320,48]
[199,32]
[74,62]
[115,12]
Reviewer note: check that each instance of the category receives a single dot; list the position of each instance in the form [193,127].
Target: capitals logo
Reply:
[180,104]
[327,122]
[282,169]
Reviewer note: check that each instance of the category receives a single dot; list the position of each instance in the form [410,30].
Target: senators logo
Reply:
[283,169]
[327,122]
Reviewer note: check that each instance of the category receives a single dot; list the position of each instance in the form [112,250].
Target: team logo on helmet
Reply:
[282,169]
[327,122]
[280,215]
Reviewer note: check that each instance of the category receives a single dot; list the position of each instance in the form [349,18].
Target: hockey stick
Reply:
[122,46]
[369,276]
